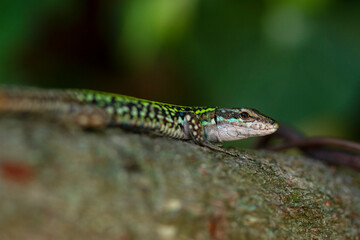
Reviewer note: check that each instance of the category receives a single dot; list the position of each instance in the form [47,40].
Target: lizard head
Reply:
[238,123]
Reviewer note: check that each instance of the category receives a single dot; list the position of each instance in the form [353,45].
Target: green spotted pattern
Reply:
[144,115]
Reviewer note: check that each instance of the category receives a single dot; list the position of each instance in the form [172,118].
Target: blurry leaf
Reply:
[151,24]
[286,25]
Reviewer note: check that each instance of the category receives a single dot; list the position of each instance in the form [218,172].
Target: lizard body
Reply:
[203,125]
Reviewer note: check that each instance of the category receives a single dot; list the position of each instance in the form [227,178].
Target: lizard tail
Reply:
[57,103]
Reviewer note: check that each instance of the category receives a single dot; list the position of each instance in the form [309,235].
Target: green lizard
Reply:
[203,125]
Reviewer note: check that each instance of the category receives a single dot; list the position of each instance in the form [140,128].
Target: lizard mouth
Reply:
[261,126]
[261,129]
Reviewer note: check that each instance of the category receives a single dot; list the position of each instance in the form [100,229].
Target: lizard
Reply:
[205,126]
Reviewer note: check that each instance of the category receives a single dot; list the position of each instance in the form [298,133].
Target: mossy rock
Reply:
[61,182]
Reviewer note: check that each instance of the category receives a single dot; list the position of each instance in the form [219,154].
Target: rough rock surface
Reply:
[60,182]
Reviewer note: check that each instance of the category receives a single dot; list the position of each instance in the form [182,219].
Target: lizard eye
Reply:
[244,115]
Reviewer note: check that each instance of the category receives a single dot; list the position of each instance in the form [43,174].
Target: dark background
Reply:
[296,61]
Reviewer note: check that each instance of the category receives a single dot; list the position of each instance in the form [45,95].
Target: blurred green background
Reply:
[296,61]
